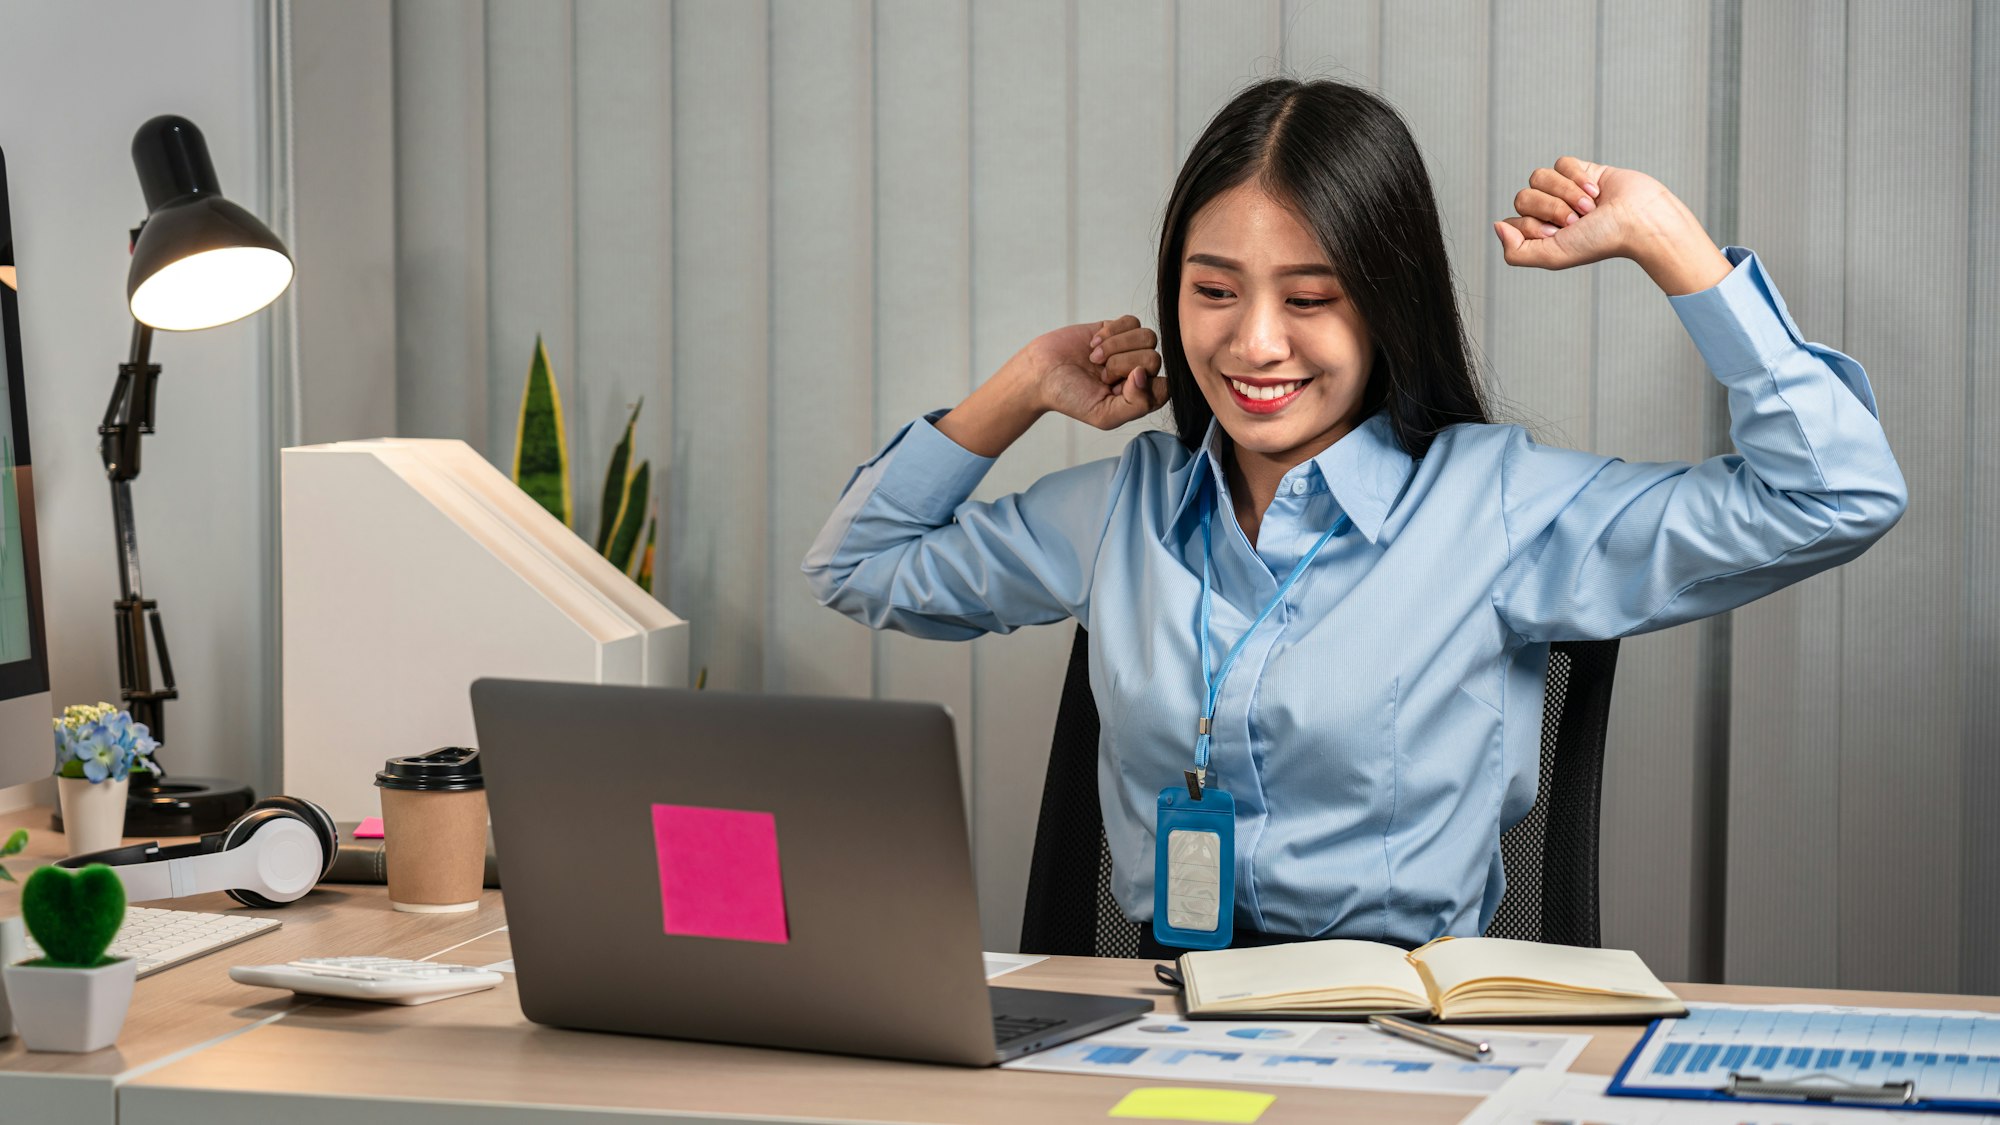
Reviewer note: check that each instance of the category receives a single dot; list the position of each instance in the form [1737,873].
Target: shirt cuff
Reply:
[930,474]
[1740,323]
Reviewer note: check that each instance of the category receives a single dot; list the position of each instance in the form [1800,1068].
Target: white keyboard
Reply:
[160,939]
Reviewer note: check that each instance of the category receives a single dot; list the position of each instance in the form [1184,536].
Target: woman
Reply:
[1379,725]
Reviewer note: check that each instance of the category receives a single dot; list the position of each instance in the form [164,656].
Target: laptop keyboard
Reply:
[1006,1029]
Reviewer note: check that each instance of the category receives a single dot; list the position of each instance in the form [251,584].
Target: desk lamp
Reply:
[198,261]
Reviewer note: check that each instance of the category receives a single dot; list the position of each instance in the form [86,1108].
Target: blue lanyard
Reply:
[1213,683]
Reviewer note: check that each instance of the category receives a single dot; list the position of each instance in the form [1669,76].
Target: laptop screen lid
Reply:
[771,870]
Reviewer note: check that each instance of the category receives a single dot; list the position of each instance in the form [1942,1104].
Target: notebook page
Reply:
[1603,971]
[1315,967]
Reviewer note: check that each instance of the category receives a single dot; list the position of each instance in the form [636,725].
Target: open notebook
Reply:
[1484,979]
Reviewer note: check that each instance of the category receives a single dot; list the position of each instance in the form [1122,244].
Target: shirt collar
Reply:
[1365,470]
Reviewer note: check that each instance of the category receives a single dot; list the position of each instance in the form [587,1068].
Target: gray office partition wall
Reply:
[1864,724]
[1979,734]
[793,225]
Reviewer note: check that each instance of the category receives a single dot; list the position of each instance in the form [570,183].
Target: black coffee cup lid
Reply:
[446,769]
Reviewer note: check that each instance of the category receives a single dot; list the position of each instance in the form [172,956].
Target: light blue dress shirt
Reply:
[1383,727]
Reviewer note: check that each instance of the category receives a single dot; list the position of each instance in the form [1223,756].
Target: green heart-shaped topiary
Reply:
[74,914]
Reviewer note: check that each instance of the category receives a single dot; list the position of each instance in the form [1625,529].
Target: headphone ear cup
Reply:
[241,829]
[318,818]
[279,808]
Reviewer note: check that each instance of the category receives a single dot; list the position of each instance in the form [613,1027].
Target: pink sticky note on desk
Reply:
[719,873]
[370,828]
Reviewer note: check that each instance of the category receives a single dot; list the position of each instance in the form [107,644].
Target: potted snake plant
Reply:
[73,998]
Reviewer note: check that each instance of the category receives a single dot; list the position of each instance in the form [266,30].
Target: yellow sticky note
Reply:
[1187,1103]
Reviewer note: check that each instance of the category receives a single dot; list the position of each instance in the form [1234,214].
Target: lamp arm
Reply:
[129,415]
[127,419]
[142,343]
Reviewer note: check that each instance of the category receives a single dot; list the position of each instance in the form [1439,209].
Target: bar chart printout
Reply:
[1349,1055]
[1950,1056]
[1539,1097]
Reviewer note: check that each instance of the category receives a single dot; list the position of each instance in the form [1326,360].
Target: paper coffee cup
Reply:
[434,830]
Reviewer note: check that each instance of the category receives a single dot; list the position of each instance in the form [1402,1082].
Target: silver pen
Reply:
[1478,1050]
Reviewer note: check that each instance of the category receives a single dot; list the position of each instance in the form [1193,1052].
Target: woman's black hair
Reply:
[1343,160]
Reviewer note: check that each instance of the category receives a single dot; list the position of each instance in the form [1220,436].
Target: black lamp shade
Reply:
[199,260]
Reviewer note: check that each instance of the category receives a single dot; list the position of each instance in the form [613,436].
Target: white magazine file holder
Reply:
[412,567]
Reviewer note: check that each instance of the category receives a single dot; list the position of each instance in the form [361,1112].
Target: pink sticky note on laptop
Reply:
[719,873]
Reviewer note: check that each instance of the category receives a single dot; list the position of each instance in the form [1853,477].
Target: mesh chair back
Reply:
[1069,909]
[1550,856]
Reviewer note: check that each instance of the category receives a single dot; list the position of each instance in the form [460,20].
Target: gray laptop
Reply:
[761,869]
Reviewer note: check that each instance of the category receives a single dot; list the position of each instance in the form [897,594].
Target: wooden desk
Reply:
[195,1004]
[199,1049]
[475,1058]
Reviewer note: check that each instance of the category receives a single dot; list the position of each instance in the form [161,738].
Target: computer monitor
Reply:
[25,738]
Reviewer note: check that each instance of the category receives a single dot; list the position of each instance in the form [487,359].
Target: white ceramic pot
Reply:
[70,1009]
[13,947]
[93,814]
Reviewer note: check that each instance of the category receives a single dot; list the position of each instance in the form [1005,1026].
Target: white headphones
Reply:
[271,855]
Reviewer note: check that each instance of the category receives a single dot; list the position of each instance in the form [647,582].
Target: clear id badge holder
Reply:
[1194,868]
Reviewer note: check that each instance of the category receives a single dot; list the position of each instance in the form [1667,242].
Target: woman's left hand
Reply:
[1579,212]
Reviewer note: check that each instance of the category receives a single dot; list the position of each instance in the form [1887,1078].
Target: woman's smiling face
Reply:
[1278,350]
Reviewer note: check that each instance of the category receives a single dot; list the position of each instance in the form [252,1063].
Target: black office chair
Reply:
[1550,856]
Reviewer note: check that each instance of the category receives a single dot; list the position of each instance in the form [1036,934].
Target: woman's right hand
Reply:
[1105,373]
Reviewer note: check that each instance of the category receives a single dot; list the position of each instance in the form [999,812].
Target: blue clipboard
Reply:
[1898,1092]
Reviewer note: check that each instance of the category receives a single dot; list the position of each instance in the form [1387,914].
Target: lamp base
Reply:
[181,806]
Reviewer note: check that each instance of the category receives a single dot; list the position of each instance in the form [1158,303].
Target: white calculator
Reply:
[385,980]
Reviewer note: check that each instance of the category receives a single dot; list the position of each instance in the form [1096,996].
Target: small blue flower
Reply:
[103,741]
